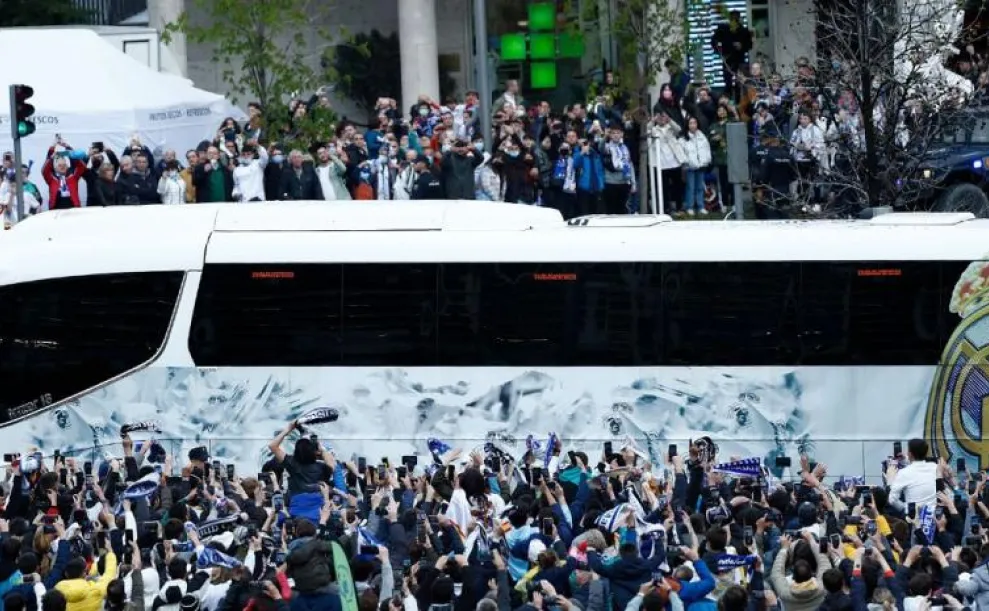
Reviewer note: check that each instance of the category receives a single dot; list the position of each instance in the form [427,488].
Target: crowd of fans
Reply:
[480,530]
[581,159]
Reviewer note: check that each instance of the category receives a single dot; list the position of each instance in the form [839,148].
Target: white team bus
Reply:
[467,321]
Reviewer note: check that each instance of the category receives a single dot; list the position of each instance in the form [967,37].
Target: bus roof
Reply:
[158,238]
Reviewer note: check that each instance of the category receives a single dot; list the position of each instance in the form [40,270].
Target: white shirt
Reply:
[916,483]
[249,179]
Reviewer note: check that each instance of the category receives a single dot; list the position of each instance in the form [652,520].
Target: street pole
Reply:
[481,66]
[19,180]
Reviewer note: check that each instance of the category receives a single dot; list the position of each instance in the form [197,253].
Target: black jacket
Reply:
[138,189]
[305,186]
[309,565]
[458,175]
[428,186]
[273,181]
[104,193]
[200,180]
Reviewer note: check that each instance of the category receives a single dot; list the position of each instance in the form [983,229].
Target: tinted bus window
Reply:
[252,315]
[64,336]
[504,314]
[732,314]
[389,314]
[872,313]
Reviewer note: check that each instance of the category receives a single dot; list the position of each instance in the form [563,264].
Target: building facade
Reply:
[528,40]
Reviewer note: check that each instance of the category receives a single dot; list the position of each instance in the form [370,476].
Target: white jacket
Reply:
[249,179]
[811,136]
[405,182]
[171,189]
[671,153]
[697,150]
[916,483]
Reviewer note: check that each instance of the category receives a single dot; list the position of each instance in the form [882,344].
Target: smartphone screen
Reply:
[230,471]
[402,471]
[960,465]
[361,465]
[972,485]
[548,527]
[451,472]
[384,461]
[673,450]
[495,463]
[608,449]
[410,461]
[87,467]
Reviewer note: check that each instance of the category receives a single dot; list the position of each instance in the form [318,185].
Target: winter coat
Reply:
[697,150]
[86,595]
[806,596]
[458,175]
[626,575]
[309,565]
[171,190]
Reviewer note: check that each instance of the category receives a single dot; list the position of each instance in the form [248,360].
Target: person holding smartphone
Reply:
[917,482]
[306,467]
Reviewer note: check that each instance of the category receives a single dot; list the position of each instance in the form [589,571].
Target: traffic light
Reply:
[21,112]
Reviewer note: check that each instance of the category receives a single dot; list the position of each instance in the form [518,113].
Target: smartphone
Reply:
[421,535]
[217,466]
[128,536]
[897,449]
[369,550]
[783,462]
[548,527]
[262,477]
[451,472]
[960,465]
[230,471]
[173,480]
[912,510]
[939,484]
[9,458]
[608,449]
[89,482]
[384,461]
[537,475]
[410,461]
[871,528]
[496,464]
[361,465]
[867,497]
[835,540]
[972,485]
[747,535]
[87,467]
[402,471]
[382,473]
[672,451]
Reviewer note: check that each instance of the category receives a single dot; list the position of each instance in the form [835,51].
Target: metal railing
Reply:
[110,12]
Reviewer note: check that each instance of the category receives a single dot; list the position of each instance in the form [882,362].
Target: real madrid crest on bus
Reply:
[957,423]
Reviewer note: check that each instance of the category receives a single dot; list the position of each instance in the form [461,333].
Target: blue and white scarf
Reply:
[621,159]
[728,562]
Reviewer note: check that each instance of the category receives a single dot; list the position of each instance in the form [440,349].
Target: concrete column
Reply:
[419,50]
[173,57]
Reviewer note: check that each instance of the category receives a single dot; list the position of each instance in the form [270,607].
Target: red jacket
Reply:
[77,169]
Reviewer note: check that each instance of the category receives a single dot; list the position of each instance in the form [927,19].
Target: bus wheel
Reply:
[963,197]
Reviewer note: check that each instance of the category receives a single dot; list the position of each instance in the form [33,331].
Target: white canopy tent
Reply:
[88,91]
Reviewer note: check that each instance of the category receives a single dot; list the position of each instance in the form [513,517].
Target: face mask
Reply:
[446,148]
[277,158]
[423,112]
[513,153]
[245,160]
[479,146]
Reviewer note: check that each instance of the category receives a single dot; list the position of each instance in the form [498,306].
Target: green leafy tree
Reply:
[264,51]
[370,67]
[24,13]
[647,33]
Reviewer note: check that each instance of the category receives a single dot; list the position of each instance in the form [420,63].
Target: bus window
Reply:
[389,314]
[731,314]
[64,336]
[871,313]
[504,314]
[268,315]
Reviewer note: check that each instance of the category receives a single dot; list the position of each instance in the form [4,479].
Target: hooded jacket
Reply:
[309,565]
[806,596]
[85,595]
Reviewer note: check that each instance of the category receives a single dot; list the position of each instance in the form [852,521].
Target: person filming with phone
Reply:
[916,483]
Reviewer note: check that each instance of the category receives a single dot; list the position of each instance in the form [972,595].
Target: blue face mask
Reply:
[513,153]
[277,158]
[479,146]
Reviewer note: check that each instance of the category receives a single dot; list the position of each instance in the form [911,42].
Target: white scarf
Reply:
[569,177]
[384,179]
[621,160]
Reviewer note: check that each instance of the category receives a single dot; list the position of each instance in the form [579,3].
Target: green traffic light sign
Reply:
[25,128]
